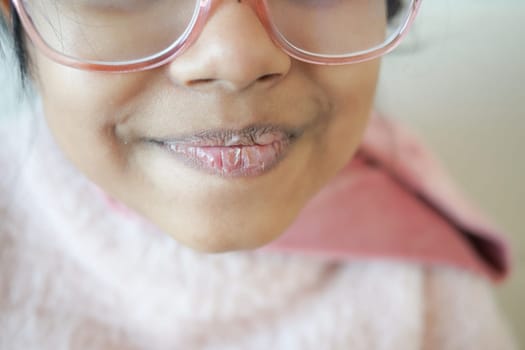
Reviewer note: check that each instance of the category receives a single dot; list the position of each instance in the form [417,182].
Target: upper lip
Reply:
[255,134]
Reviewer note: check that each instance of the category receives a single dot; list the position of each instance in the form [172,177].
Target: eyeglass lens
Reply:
[127,30]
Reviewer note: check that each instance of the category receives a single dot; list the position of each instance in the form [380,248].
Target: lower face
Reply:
[108,125]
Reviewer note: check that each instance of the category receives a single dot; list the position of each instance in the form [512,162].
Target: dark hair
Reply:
[12,26]
[392,8]
[16,31]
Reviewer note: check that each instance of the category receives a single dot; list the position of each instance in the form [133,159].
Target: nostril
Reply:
[269,77]
[266,78]
[197,82]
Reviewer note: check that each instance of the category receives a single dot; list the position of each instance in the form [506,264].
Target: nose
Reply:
[233,52]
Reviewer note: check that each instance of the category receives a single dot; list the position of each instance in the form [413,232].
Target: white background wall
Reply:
[460,80]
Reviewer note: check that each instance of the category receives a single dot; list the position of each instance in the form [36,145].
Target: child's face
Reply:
[111,127]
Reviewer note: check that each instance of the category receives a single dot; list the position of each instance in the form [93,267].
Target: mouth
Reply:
[251,151]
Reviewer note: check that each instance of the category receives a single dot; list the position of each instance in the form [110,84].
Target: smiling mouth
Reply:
[250,151]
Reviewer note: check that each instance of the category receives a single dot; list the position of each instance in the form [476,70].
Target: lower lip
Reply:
[231,161]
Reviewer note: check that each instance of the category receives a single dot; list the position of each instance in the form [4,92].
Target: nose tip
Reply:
[234,51]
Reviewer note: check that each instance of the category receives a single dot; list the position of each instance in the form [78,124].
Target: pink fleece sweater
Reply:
[76,274]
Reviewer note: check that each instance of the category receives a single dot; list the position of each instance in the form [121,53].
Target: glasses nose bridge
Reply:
[256,5]
[206,11]
[208,7]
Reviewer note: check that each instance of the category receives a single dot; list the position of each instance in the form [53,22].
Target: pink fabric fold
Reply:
[394,201]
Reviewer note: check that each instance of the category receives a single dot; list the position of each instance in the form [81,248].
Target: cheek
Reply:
[81,109]
[350,90]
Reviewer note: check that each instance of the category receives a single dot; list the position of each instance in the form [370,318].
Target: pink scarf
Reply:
[393,200]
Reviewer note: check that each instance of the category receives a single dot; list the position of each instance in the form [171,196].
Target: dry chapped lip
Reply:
[251,151]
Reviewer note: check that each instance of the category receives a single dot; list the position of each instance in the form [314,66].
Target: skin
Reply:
[100,120]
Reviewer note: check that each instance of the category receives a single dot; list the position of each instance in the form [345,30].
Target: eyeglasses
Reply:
[134,35]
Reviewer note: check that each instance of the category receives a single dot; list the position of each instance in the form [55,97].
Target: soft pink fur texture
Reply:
[75,274]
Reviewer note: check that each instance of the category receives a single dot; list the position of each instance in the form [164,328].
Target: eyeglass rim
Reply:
[193,31]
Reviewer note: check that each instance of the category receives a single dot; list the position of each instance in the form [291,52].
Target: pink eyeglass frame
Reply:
[193,31]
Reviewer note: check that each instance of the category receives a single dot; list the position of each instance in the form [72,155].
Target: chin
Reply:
[217,241]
